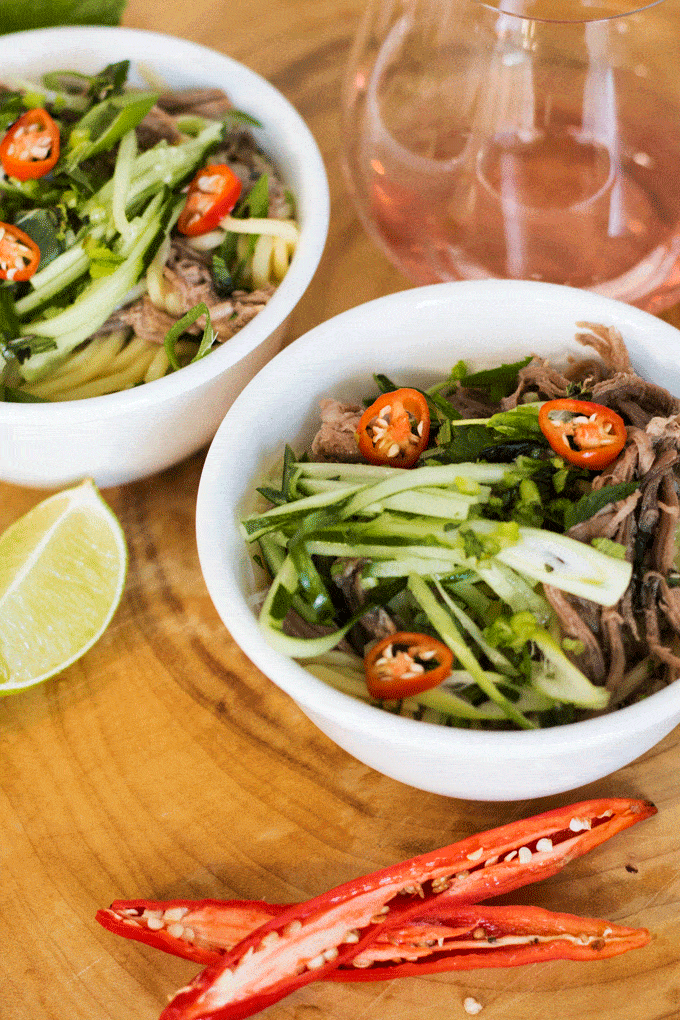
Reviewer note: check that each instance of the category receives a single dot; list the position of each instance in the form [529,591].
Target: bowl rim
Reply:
[313,227]
[315,695]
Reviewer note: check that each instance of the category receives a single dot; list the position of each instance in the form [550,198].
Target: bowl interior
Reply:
[414,337]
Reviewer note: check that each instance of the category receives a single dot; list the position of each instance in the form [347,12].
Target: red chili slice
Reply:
[19,254]
[395,429]
[30,148]
[468,936]
[582,433]
[213,193]
[198,930]
[403,664]
[322,937]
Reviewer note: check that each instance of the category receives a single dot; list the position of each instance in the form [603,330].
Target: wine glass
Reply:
[529,139]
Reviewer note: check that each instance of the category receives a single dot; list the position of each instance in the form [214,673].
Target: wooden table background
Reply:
[163,764]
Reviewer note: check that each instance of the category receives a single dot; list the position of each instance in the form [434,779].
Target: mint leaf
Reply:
[588,505]
[499,382]
[17,15]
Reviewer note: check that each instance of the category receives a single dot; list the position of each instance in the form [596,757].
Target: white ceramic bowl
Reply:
[416,337]
[120,437]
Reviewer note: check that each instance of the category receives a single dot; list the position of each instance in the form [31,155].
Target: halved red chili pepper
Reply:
[213,193]
[30,147]
[19,254]
[468,936]
[323,936]
[404,663]
[198,930]
[395,429]
[589,435]
[456,937]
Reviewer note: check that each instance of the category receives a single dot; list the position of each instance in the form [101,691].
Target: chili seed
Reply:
[175,914]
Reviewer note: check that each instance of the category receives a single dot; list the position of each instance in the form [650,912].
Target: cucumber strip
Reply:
[427,502]
[500,661]
[569,565]
[273,555]
[276,517]
[342,550]
[407,566]
[454,506]
[163,166]
[122,175]
[347,472]
[94,305]
[301,648]
[443,623]
[310,486]
[444,474]
[471,595]
[513,589]
[60,273]
[560,679]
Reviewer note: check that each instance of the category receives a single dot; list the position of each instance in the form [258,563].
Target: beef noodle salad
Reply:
[496,551]
[140,229]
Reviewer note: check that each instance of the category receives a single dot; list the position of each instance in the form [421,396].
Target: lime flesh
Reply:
[62,572]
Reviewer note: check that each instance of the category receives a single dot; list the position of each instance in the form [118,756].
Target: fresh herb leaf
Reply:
[241,117]
[256,202]
[173,334]
[465,444]
[11,108]
[499,381]
[103,261]
[17,15]
[9,320]
[223,281]
[228,273]
[104,125]
[520,423]
[587,506]
[47,228]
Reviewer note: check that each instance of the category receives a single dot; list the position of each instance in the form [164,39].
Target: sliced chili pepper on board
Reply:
[30,148]
[456,937]
[468,936]
[19,254]
[395,429]
[212,194]
[404,664]
[582,433]
[199,930]
[312,940]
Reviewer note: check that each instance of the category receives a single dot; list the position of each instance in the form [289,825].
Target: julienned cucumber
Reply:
[357,524]
[344,514]
[148,213]
[94,305]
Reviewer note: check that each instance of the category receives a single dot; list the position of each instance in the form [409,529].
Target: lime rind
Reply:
[62,573]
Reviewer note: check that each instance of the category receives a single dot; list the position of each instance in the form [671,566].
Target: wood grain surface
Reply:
[164,765]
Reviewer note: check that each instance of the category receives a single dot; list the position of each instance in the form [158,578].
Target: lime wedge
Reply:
[62,571]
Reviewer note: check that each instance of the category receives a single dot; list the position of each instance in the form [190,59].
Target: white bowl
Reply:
[121,437]
[416,337]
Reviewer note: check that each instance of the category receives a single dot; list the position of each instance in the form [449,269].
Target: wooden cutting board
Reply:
[164,765]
